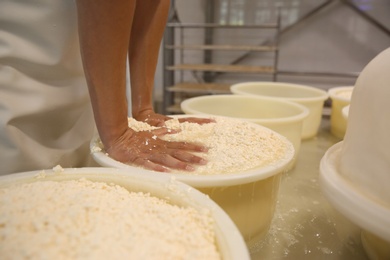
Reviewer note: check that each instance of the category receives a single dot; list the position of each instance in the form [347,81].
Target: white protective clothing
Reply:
[45,112]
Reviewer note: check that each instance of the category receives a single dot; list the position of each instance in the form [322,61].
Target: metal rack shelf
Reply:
[226,26]
[224,47]
[223,68]
[176,88]
[201,88]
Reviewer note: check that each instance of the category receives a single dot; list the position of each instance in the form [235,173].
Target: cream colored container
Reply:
[345,112]
[376,248]
[248,197]
[341,97]
[283,117]
[312,98]
[229,240]
[372,217]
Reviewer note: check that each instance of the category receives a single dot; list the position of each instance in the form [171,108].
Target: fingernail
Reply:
[190,168]
[203,161]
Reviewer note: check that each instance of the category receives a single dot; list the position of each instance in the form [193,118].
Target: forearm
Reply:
[104,29]
[147,31]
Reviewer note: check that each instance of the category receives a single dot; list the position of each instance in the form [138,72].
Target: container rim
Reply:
[335,90]
[346,198]
[321,95]
[304,111]
[229,239]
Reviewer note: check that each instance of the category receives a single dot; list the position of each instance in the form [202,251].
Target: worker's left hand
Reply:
[154,119]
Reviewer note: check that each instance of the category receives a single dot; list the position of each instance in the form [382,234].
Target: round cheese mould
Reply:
[281,116]
[310,97]
[372,217]
[229,241]
[249,197]
[341,97]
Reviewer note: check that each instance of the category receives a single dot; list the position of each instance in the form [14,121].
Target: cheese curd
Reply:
[81,219]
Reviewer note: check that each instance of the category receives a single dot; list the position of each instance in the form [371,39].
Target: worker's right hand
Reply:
[155,119]
[147,150]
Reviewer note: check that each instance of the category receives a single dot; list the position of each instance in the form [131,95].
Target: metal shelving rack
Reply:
[176,89]
[171,88]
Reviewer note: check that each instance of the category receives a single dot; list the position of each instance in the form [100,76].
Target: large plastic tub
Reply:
[311,97]
[372,217]
[341,97]
[229,240]
[283,117]
[248,197]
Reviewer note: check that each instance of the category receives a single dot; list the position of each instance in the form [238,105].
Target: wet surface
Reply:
[305,225]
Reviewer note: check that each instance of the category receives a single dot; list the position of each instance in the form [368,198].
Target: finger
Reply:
[168,161]
[187,146]
[160,124]
[163,131]
[197,120]
[147,164]
[155,122]
[188,157]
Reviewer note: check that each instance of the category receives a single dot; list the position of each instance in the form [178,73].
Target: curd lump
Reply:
[81,219]
[365,154]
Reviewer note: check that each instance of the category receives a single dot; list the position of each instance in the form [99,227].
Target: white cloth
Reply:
[365,155]
[45,113]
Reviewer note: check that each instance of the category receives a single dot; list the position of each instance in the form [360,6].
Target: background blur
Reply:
[322,43]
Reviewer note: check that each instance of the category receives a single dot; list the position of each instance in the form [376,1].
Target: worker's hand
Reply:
[147,150]
[154,119]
